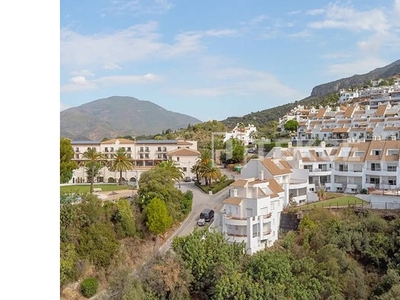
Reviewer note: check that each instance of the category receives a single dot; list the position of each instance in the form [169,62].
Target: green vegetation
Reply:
[82,189]
[216,187]
[66,164]
[335,202]
[291,125]
[121,163]
[92,160]
[89,287]
[158,219]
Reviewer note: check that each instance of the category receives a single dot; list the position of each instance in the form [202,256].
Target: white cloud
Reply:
[111,66]
[134,44]
[396,8]
[80,83]
[244,82]
[360,66]
[315,12]
[137,7]
[348,18]
[85,73]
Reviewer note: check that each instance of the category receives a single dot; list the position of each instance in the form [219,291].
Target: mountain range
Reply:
[119,116]
[128,116]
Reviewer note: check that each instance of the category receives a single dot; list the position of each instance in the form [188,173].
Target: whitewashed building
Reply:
[244,134]
[144,154]
[252,213]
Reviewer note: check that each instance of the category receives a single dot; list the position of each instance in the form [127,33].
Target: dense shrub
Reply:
[89,287]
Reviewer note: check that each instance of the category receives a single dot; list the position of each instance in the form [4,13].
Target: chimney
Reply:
[261,175]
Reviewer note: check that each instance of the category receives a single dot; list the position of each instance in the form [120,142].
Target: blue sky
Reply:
[214,59]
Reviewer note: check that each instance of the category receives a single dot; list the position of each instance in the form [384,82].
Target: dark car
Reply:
[207,215]
[187,179]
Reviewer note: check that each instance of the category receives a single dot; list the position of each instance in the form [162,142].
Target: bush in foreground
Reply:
[89,287]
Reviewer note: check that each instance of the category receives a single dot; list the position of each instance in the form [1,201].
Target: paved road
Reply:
[200,202]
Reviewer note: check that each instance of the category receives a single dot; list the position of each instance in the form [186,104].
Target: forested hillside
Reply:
[345,254]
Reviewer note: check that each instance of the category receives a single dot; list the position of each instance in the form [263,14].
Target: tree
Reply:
[291,125]
[235,150]
[158,219]
[121,163]
[92,157]
[321,193]
[175,172]
[66,164]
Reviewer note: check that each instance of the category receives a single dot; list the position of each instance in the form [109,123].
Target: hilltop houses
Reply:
[246,134]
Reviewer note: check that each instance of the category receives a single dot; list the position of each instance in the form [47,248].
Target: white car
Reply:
[201,222]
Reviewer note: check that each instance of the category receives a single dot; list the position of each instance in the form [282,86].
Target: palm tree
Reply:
[321,193]
[92,158]
[173,169]
[121,163]
[209,173]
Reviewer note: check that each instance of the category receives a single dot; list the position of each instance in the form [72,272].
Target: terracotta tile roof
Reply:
[377,120]
[357,129]
[359,112]
[233,200]
[344,121]
[239,183]
[349,111]
[183,152]
[391,128]
[321,113]
[180,142]
[274,169]
[121,141]
[340,130]
[314,122]
[275,187]
[380,112]
[393,119]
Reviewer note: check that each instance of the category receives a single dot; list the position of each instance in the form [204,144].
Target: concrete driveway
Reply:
[200,202]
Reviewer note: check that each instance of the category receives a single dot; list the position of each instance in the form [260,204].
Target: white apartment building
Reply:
[293,180]
[350,122]
[349,167]
[144,154]
[243,134]
[252,213]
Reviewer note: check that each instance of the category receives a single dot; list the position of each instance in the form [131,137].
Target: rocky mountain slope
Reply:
[318,95]
[119,116]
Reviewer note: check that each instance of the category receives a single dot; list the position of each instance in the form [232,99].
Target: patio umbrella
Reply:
[113,193]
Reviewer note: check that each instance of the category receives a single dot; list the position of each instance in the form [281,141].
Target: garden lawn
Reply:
[82,189]
[339,201]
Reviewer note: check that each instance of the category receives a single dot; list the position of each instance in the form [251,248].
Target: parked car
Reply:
[251,150]
[207,215]
[187,179]
[194,178]
[201,222]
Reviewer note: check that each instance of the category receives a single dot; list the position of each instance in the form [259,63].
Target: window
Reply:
[141,149]
[141,156]
[375,152]
[308,167]
[164,149]
[129,149]
[374,180]
[184,169]
[123,148]
[147,149]
[375,167]
[159,149]
[160,156]
[392,182]
[359,154]
[77,149]
[146,155]
[177,159]
[393,152]
[392,168]
[111,149]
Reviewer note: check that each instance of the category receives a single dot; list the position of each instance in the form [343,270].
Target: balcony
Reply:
[238,221]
